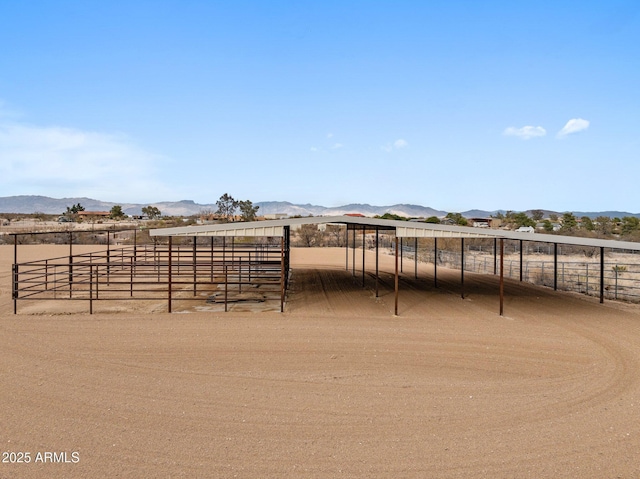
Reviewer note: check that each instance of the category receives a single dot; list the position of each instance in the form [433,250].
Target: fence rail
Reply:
[621,278]
[154,272]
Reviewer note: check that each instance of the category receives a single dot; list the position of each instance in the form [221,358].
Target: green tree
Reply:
[227,207]
[152,212]
[74,210]
[587,223]
[537,215]
[433,219]
[630,224]
[392,216]
[247,210]
[457,218]
[604,225]
[548,226]
[569,222]
[116,212]
[521,219]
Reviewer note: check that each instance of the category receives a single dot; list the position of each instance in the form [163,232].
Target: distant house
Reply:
[479,222]
[276,216]
[484,222]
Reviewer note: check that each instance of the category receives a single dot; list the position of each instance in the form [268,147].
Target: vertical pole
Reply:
[131,276]
[135,246]
[501,276]
[555,266]
[287,256]
[70,262]
[226,285]
[90,289]
[363,251]
[108,258]
[435,262]
[415,254]
[353,265]
[169,272]
[401,254]
[377,262]
[462,268]
[211,261]
[14,289]
[14,292]
[195,260]
[156,259]
[282,275]
[397,281]
[224,255]
[520,260]
[495,254]
[601,274]
[346,247]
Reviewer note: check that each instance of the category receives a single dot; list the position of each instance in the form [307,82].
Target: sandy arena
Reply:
[336,386]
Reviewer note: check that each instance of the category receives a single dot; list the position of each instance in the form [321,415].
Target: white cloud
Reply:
[313,148]
[573,126]
[337,146]
[329,135]
[526,132]
[69,162]
[398,145]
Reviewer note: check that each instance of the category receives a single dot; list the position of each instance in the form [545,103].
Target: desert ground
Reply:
[336,386]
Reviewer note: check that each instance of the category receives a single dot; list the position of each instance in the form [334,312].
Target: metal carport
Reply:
[402,229]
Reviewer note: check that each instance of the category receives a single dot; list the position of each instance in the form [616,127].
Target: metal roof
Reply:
[403,229]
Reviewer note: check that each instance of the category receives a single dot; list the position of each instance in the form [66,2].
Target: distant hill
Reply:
[28,204]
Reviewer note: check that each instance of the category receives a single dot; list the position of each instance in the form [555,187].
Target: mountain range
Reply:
[28,204]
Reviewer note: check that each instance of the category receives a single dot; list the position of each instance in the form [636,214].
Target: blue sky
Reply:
[449,104]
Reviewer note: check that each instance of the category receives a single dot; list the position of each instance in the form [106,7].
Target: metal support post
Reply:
[377,261]
[397,281]
[495,255]
[415,255]
[282,274]
[501,276]
[555,266]
[363,252]
[169,272]
[520,260]
[462,268]
[353,265]
[435,262]
[602,274]
[346,248]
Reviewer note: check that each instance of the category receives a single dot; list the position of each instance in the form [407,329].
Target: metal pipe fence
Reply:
[153,272]
[621,278]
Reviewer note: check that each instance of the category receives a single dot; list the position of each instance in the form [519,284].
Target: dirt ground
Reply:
[336,386]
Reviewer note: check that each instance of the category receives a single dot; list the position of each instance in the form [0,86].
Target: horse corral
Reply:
[227,264]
